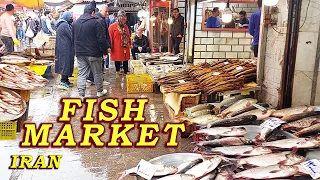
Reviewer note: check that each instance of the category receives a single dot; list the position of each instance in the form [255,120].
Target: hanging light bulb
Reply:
[163,0]
[270,2]
[153,18]
[170,20]
[227,14]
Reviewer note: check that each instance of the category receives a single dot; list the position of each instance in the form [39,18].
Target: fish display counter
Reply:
[241,138]
[160,58]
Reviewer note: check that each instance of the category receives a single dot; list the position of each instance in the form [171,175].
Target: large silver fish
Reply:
[223,131]
[198,108]
[245,150]
[184,167]
[301,124]
[204,120]
[205,167]
[250,108]
[285,113]
[210,176]
[235,121]
[268,172]
[260,114]
[227,141]
[241,104]
[302,143]
[299,116]
[179,177]
[272,159]
[314,129]
[228,102]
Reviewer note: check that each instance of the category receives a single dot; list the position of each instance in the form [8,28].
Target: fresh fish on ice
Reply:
[205,167]
[272,159]
[184,167]
[250,108]
[239,105]
[244,150]
[257,112]
[268,172]
[228,102]
[227,141]
[223,131]
[314,129]
[285,113]
[300,143]
[235,121]
[301,124]
[299,116]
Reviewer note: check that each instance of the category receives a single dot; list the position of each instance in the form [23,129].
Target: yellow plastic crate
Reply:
[139,83]
[40,70]
[8,130]
[75,75]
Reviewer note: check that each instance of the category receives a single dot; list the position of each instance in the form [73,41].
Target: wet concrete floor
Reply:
[86,163]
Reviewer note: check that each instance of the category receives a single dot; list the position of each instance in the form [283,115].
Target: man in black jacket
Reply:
[177,30]
[90,46]
[140,44]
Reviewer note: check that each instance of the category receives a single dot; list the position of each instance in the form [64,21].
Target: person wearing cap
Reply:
[120,39]
[8,29]
[140,44]
[90,43]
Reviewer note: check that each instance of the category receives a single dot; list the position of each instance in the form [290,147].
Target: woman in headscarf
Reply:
[64,49]
[120,42]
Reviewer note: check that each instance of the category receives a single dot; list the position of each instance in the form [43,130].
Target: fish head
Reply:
[239,130]
[289,169]
[315,141]
[263,150]
[294,158]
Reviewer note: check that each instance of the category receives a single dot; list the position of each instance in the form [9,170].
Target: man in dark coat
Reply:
[90,45]
[140,44]
[177,30]
[64,49]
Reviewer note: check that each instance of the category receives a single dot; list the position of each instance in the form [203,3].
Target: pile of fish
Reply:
[16,77]
[9,103]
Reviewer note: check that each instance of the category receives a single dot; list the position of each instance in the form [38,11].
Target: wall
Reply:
[210,45]
[306,54]
[274,55]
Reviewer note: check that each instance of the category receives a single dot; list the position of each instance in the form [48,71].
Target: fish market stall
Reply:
[160,58]
[22,81]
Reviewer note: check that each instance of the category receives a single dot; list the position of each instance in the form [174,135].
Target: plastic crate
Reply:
[8,130]
[139,83]
[74,76]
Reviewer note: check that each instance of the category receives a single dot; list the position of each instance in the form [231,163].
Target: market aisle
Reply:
[86,164]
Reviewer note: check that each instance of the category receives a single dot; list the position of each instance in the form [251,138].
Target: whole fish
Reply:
[204,120]
[235,121]
[198,108]
[268,172]
[228,102]
[272,159]
[205,167]
[227,141]
[199,113]
[263,134]
[250,108]
[285,113]
[293,143]
[223,131]
[299,116]
[179,177]
[314,129]
[224,175]
[184,167]
[301,124]
[238,150]
[161,170]
[239,105]
[210,176]
[257,112]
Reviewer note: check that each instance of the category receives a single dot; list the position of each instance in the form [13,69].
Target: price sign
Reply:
[239,68]
[272,123]
[181,81]
[145,169]
[216,73]
[312,167]
[226,63]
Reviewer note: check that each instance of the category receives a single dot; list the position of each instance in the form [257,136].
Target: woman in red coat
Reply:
[120,42]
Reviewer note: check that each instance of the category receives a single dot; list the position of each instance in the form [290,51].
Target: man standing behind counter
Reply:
[254,28]
[214,20]
[140,44]
[8,30]
[177,30]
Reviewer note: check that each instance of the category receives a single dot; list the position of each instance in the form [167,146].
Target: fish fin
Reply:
[294,150]
[275,171]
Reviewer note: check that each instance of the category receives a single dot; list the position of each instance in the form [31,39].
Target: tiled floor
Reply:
[80,163]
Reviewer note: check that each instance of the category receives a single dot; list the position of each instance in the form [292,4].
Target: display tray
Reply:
[9,117]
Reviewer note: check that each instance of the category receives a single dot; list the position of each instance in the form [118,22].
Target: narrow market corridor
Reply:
[86,163]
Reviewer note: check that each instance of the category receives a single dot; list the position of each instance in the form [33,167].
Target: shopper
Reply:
[102,19]
[140,44]
[90,47]
[120,42]
[8,30]
[64,50]
[214,20]
[254,28]
[46,24]
[177,30]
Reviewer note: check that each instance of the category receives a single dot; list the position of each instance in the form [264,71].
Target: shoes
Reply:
[70,84]
[105,83]
[90,83]
[63,86]
[103,93]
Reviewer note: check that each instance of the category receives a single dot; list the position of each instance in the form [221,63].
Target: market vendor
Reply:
[140,44]
[8,30]
[214,20]
[243,18]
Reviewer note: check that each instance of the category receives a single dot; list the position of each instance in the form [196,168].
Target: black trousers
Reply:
[125,66]
[255,50]
[135,50]
[64,79]
[175,41]
[8,42]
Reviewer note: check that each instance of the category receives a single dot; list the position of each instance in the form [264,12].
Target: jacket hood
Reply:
[85,17]
[60,21]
